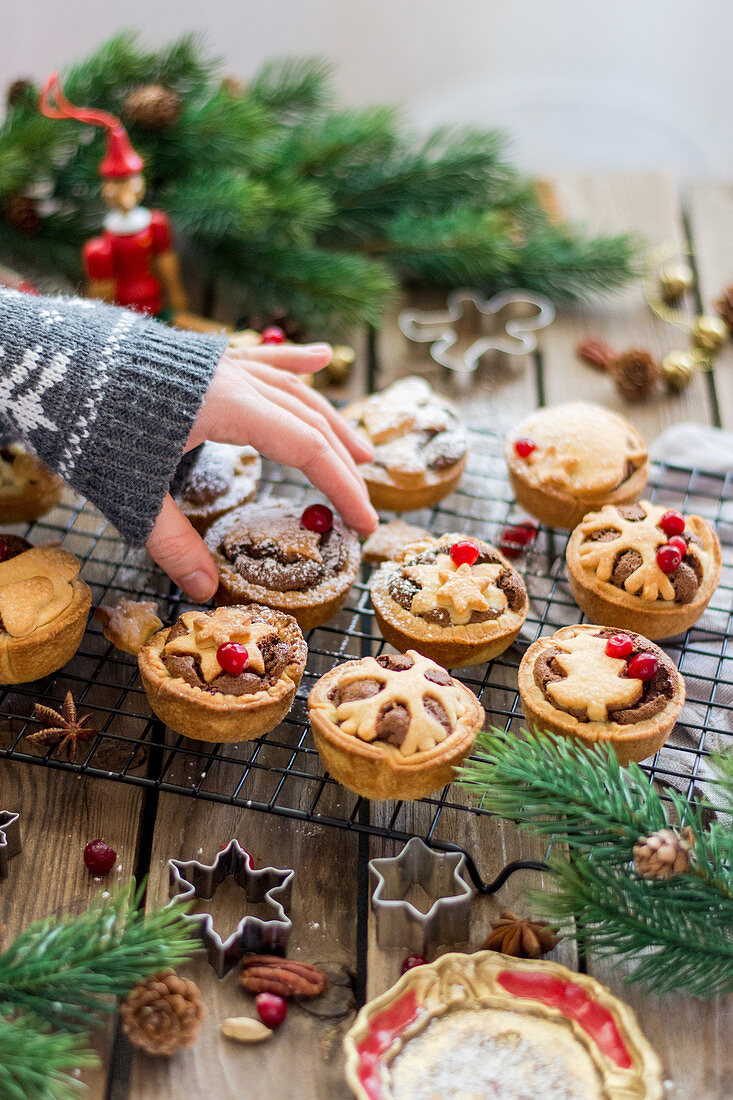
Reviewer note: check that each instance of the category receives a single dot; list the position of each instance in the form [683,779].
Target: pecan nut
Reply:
[596,353]
[285,977]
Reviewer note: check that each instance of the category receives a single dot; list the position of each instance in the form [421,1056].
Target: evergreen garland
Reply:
[293,202]
[678,932]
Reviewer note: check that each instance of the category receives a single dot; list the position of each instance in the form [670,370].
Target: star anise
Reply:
[521,937]
[64,729]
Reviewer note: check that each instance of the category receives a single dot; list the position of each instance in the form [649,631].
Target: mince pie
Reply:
[43,609]
[643,567]
[224,675]
[299,560]
[28,489]
[456,600]
[572,459]
[420,445]
[393,726]
[219,477]
[599,685]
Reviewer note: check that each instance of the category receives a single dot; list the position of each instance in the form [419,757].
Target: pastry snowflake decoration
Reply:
[414,688]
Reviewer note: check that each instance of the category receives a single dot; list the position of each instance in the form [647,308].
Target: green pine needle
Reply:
[38,1064]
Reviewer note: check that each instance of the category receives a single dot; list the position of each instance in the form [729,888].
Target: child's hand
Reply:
[250,400]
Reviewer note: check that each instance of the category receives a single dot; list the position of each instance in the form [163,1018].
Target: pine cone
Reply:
[17,92]
[521,937]
[596,353]
[152,106]
[635,373]
[21,213]
[724,307]
[664,853]
[162,1013]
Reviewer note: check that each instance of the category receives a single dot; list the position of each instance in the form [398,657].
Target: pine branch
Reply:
[570,267]
[36,1064]
[292,86]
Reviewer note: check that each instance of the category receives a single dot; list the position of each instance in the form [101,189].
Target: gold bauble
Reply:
[674,281]
[678,369]
[709,333]
[342,363]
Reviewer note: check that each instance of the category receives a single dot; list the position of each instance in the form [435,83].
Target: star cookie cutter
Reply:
[271,885]
[506,324]
[442,876]
[9,840]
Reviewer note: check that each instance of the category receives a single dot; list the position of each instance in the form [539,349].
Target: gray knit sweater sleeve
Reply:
[106,397]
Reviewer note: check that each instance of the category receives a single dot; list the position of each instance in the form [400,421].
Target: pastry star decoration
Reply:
[593,682]
[461,589]
[552,466]
[207,632]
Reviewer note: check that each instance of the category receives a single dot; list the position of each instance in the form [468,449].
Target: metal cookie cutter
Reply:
[270,885]
[441,875]
[505,323]
[9,839]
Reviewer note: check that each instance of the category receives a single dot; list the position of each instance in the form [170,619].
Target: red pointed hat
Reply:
[120,160]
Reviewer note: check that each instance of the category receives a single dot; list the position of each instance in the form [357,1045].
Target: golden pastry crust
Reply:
[401,478]
[49,647]
[28,489]
[389,538]
[129,624]
[580,462]
[242,467]
[462,643]
[378,769]
[631,741]
[606,603]
[206,716]
[312,606]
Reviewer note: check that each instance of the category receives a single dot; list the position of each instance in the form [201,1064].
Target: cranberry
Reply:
[317,517]
[11,546]
[464,552]
[411,962]
[668,558]
[679,542]
[524,447]
[642,667]
[619,645]
[672,523]
[515,539]
[271,1009]
[273,335]
[99,857]
[232,657]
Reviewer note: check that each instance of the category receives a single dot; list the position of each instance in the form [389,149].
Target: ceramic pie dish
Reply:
[224,675]
[273,552]
[487,1025]
[599,686]
[393,726]
[572,459]
[44,606]
[220,477]
[456,600]
[643,567]
[420,446]
[28,489]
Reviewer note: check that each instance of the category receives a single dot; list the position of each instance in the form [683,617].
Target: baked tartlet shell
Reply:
[48,648]
[375,770]
[631,742]
[37,498]
[206,716]
[388,495]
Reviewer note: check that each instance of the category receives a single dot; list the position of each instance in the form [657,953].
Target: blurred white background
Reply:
[578,83]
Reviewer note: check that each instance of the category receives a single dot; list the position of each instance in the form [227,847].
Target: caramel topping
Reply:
[593,681]
[207,632]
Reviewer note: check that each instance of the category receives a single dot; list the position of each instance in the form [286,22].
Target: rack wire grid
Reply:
[281,773]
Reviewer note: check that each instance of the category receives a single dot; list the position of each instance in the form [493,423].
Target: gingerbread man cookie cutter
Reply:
[9,840]
[269,885]
[441,875]
[506,325]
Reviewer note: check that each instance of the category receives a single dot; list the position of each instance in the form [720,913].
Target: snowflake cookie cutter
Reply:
[269,885]
[442,876]
[9,840]
[506,324]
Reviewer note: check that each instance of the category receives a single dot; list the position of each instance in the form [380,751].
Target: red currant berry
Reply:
[11,546]
[619,645]
[668,558]
[464,552]
[679,543]
[672,523]
[411,962]
[99,857]
[271,1009]
[317,517]
[524,447]
[232,657]
[273,335]
[642,667]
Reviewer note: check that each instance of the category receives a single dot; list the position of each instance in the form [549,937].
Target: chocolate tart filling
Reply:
[276,655]
[265,563]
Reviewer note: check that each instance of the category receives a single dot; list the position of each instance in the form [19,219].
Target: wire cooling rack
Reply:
[281,773]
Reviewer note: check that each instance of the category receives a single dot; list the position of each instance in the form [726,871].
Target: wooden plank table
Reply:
[60,812]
